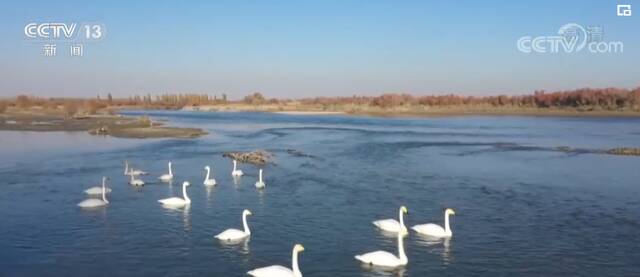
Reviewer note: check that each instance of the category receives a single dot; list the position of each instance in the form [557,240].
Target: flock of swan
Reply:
[377,258]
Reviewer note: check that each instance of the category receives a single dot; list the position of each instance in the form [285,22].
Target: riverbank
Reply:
[294,108]
[98,124]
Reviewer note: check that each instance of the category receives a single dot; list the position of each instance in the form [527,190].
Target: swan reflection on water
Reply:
[374,270]
[433,242]
[186,215]
[238,245]
[236,180]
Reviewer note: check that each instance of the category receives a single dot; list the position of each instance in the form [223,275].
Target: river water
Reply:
[523,208]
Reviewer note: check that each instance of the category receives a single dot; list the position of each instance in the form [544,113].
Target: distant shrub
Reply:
[3,106]
[70,108]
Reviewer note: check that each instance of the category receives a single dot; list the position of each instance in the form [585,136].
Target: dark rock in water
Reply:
[627,151]
[259,157]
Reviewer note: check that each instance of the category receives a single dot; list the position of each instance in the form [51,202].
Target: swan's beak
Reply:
[404,210]
[299,247]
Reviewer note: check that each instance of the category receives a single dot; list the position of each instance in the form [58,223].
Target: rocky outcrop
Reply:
[259,157]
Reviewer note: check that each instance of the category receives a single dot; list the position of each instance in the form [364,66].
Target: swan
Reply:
[435,230]
[167,177]
[135,182]
[207,181]
[386,259]
[91,203]
[278,270]
[132,171]
[177,201]
[391,225]
[98,190]
[260,183]
[235,234]
[236,172]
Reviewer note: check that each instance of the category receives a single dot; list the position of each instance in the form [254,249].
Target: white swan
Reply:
[260,183]
[177,201]
[132,171]
[391,225]
[167,177]
[236,172]
[98,189]
[235,234]
[207,181]
[135,182]
[91,203]
[386,259]
[278,270]
[435,230]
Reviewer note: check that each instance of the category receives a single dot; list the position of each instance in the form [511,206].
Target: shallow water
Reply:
[522,208]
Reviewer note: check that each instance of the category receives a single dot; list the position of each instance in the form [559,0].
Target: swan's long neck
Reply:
[245,225]
[401,254]
[447,228]
[184,194]
[207,178]
[294,264]
[126,167]
[132,178]
[104,192]
[234,165]
[402,227]
[260,175]
[170,173]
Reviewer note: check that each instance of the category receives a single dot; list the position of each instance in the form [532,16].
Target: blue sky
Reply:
[313,48]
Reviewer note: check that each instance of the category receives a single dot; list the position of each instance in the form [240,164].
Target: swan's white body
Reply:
[235,234]
[207,181]
[167,177]
[177,201]
[236,172]
[92,203]
[98,190]
[135,182]
[133,172]
[392,225]
[436,230]
[386,259]
[260,183]
[281,271]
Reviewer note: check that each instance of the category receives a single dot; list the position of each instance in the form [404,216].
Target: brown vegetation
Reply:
[580,100]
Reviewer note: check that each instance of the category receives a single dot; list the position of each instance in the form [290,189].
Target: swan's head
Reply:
[207,168]
[450,211]
[404,209]
[169,163]
[185,184]
[298,248]
[234,162]
[246,212]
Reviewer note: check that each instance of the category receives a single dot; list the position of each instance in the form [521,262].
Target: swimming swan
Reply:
[132,171]
[435,230]
[136,182]
[278,270]
[386,259]
[91,203]
[177,201]
[260,183]
[391,225]
[167,177]
[235,234]
[98,190]
[207,181]
[236,172]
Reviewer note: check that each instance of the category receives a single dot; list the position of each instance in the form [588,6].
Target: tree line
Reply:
[585,98]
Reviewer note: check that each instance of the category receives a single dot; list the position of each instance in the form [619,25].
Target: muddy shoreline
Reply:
[103,124]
